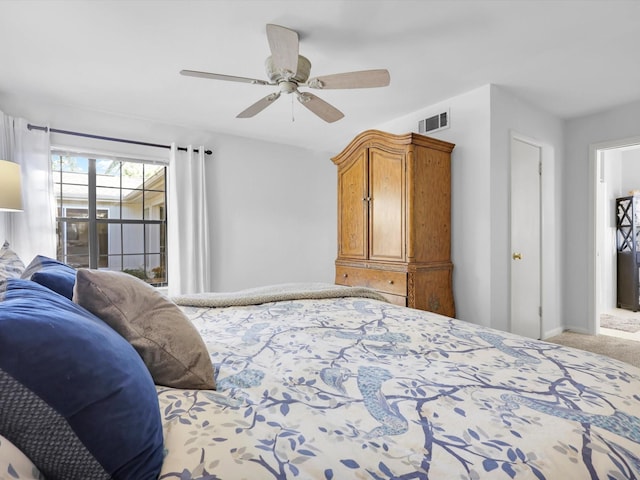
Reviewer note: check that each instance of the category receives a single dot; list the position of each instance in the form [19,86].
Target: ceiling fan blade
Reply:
[361,79]
[218,76]
[324,110]
[259,106]
[284,45]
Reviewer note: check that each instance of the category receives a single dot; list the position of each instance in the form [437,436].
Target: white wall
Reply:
[274,207]
[617,123]
[275,212]
[512,116]
[630,171]
[612,166]
[470,190]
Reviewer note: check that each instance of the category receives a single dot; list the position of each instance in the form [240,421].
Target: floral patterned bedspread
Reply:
[351,388]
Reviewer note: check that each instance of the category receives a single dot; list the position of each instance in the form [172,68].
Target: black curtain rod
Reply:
[110,139]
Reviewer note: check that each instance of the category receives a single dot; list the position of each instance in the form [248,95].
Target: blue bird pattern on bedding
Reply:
[357,388]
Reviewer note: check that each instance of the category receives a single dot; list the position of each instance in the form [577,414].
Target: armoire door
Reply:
[353,208]
[386,205]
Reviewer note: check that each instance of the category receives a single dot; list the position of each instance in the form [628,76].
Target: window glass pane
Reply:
[69,163]
[151,171]
[134,265]
[154,178]
[154,205]
[107,172]
[103,263]
[103,244]
[75,243]
[108,181]
[70,194]
[114,238]
[78,261]
[153,238]
[76,212]
[108,200]
[114,262]
[107,195]
[60,247]
[156,267]
[132,175]
[132,204]
[133,238]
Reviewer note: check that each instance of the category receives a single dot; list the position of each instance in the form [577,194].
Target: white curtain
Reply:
[33,231]
[188,223]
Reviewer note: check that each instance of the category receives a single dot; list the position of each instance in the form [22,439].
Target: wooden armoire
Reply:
[394,218]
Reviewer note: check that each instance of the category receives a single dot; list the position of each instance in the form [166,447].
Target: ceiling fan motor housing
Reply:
[277,76]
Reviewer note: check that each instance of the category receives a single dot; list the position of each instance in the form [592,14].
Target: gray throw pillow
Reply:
[11,266]
[165,338]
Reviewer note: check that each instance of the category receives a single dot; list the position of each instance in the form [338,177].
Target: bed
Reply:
[326,382]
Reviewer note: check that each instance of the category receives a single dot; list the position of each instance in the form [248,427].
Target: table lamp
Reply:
[10,187]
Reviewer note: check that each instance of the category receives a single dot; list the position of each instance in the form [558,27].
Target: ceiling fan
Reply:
[288,70]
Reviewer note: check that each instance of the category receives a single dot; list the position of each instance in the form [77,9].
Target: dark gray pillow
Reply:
[165,338]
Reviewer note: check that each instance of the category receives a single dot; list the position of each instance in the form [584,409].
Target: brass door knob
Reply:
[517,256]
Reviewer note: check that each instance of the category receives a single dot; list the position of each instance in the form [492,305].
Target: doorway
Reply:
[615,171]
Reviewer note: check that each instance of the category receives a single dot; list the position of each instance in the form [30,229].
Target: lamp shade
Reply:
[10,187]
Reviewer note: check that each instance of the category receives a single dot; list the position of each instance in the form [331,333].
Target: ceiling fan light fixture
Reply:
[288,87]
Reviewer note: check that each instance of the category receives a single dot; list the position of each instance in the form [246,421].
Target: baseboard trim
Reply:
[584,331]
[552,333]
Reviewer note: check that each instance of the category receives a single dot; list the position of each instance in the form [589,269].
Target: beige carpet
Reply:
[619,348]
[626,324]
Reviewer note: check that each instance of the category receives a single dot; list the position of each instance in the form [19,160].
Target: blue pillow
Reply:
[51,273]
[75,396]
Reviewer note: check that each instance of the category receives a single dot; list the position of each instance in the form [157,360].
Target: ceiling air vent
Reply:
[435,123]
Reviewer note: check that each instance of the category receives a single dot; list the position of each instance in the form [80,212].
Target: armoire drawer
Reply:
[382,280]
[395,299]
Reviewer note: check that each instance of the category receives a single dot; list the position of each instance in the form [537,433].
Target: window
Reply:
[111,215]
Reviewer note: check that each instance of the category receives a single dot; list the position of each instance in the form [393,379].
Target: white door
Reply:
[525,239]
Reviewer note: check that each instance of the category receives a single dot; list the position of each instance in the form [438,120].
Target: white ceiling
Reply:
[570,58]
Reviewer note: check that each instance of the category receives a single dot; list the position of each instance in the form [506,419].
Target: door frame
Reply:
[596,226]
[515,136]
[551,227]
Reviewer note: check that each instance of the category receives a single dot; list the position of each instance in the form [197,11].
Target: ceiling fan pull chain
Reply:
[293,118]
